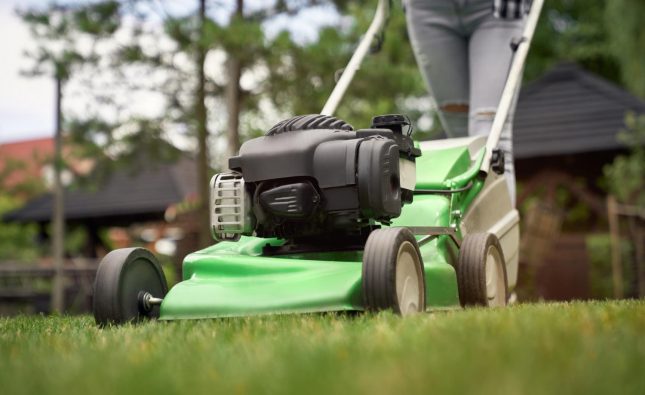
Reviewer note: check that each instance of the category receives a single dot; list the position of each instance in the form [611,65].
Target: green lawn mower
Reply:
[318,216]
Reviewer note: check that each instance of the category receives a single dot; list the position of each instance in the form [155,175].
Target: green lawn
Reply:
[582,348]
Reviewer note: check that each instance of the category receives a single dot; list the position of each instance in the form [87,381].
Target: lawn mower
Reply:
[318,216]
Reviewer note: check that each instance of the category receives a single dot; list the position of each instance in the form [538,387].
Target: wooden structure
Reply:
[125,197]
[564,133]
[634,219]
[27,288]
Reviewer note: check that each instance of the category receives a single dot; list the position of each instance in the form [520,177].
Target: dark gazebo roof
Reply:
[124,197]
[569,111]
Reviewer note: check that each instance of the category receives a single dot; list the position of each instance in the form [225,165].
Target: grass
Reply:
[579,348]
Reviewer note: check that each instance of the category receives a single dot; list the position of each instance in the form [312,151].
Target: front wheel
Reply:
[128,288]
[393,275]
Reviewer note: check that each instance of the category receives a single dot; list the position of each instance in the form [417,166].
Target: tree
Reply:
[16,240]
[238,45]
[624,21]
[626,175]
[58,30]
[574,31]
[604,37]
[201,118]
[303,75]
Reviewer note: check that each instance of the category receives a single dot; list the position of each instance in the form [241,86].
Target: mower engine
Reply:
[314,177]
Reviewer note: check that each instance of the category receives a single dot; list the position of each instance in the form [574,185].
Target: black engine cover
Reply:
[323,181]
[379,189]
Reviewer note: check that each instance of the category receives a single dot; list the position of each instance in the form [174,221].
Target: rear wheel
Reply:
[481,271]
[393,276]
[129,286]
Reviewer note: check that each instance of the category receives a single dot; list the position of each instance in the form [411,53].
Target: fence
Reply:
[26,288]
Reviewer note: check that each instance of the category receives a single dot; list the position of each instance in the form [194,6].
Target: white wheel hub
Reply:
[408,284]
[495,292]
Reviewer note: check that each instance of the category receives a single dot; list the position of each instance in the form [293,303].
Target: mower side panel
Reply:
[492,211]
[233,285]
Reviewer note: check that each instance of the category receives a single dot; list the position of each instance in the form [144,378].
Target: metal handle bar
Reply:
[377,25]
[512,82]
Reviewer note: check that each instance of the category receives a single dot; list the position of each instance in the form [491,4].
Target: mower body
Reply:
[236,278]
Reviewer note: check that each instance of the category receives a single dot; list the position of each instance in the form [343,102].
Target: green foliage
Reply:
[625,177]
[302,75]
[75,240]
[17,241]
[242,37]
[600,271]
[604,37]
[577,348]
[624,21]
[574,31]
[169,269]
[142,142]
[59,29]
[98,19]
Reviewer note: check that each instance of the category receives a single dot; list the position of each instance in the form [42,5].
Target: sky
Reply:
[27,104]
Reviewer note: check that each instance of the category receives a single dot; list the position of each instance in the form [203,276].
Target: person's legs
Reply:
[442,55]
[490,60]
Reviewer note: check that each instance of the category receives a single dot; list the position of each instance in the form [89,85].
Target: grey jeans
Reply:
[464,54]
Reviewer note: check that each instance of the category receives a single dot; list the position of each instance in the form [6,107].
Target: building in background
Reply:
[565,132]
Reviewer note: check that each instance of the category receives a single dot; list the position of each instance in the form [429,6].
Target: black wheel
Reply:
[481,271]
[393,275]
[308,122]
[125,281]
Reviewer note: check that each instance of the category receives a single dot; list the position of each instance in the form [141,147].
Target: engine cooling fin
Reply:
[308,122]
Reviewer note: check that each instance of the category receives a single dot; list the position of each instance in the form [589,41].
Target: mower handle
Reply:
[515,73]
[376,27]
[521,49]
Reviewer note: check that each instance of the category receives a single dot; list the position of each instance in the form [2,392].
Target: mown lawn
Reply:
[581,348]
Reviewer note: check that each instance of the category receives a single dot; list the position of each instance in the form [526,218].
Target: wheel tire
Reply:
[393,275]
[308,122]
[122,278]
[481,272]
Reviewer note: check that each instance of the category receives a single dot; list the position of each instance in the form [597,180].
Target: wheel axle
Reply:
[147,301]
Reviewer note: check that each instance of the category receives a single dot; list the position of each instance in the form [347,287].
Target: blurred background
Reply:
[115,114]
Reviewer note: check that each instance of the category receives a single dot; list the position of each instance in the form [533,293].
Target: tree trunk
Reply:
[202,136]
[58,286]
[233,96]
[233,104]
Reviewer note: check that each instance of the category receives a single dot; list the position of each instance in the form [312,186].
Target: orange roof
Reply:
[30,155]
